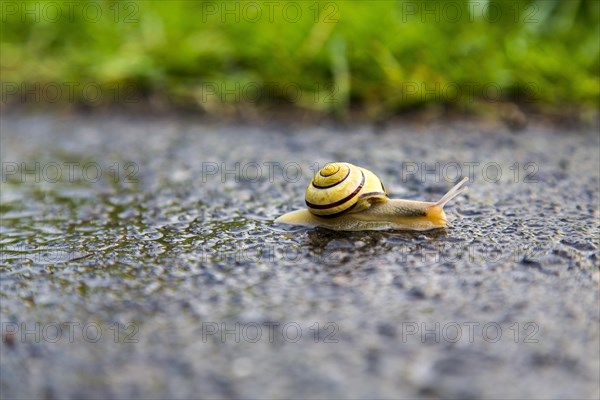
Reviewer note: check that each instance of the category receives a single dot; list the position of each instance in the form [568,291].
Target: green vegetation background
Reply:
[377,56]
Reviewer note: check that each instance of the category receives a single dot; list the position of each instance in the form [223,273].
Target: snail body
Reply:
[344,197]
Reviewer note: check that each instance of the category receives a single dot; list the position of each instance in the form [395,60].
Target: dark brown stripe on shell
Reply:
[337,214]
[339,202]
[330,186]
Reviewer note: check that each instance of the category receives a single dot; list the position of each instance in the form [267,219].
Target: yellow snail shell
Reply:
[344,197]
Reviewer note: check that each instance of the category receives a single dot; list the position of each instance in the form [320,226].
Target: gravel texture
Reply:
[152,267]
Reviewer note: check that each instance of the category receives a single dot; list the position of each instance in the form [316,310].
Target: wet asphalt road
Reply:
[140,260]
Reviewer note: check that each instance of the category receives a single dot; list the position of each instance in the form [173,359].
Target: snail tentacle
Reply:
[452,193]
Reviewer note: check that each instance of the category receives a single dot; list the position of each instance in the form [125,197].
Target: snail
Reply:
[344,197]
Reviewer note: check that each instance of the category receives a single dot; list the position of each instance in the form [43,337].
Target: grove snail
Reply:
[344,197]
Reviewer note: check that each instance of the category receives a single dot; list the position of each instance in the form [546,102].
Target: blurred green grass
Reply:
[376,56]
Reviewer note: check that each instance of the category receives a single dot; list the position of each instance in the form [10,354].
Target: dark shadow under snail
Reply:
[344,197]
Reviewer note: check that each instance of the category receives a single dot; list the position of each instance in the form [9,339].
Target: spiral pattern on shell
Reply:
[339,187]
